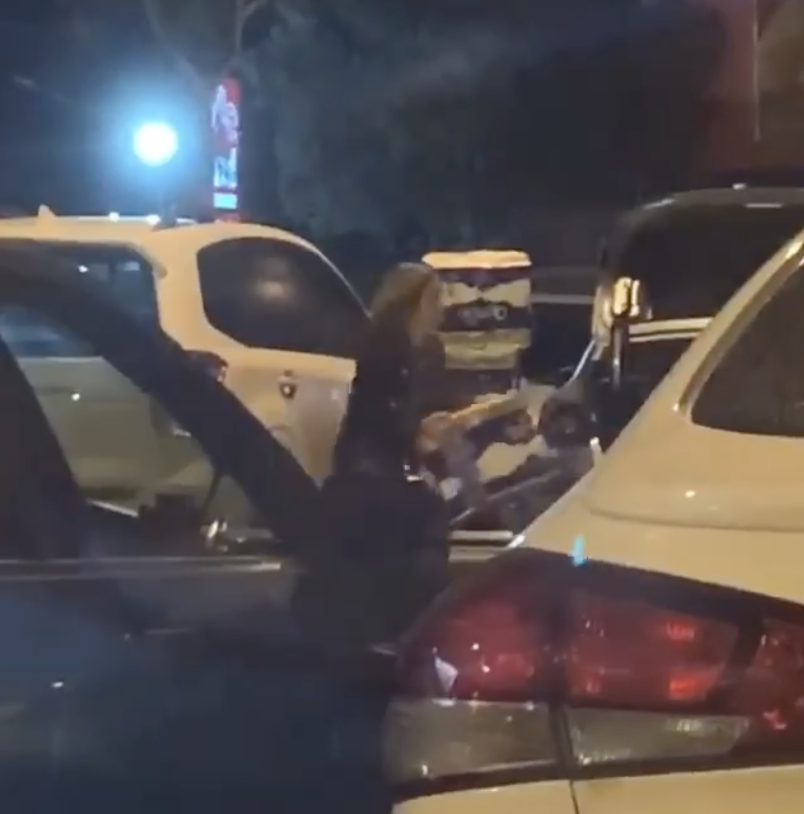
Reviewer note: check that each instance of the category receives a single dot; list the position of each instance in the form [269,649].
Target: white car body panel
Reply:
[552,797]
[307,424]
[690,501]
[654,330]
[748,791]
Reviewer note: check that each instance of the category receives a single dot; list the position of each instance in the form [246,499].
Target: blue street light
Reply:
[155,143]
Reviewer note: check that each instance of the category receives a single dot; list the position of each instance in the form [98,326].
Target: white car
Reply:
[262,308]
[643,649]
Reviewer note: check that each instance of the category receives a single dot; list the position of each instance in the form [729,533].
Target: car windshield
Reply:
[694,259]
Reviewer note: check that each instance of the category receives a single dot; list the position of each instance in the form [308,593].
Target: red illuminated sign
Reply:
[225,122]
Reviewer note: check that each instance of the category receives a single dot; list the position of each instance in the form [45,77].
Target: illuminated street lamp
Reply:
[155,143]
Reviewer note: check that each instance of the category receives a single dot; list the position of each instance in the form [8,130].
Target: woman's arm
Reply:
[435,393]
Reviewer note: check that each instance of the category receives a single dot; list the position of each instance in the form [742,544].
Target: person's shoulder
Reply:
[386,347]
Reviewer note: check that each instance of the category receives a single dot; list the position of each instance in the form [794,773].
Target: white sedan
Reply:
[643,649]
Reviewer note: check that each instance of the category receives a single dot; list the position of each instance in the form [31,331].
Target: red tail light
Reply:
[539,664]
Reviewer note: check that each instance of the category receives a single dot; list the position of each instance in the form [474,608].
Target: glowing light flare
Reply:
[155,143]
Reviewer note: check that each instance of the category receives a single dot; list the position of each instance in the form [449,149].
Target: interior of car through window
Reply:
[124,273]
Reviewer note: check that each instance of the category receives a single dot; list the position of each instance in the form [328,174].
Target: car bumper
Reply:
[554,797]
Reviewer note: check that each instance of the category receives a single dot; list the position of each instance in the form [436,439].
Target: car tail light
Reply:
[538,666]
[564,425]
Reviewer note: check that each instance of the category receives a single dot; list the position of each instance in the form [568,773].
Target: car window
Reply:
[559,336]
[694,259]
[123,449]
[758,386]
[126,275]
[30,337]
[267,293]
[647,363]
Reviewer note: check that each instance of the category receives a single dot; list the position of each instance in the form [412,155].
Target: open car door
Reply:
[239,495]
[136,666]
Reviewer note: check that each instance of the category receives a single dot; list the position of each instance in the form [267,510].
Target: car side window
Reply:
[126,276]
[153,482]
[757,387]
[273,294]
[559,337]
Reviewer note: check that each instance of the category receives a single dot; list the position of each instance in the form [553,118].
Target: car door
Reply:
[146,488]
[297,324]
[130,682]
[141,657]
[220,445]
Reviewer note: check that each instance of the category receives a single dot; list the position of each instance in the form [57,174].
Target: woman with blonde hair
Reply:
[389,550]
[389,419]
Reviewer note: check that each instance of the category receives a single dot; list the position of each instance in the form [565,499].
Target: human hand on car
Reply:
[432,430]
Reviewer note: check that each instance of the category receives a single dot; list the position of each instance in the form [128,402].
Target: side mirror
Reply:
[629,301]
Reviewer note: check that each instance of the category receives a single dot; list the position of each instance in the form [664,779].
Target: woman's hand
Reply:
[432,430]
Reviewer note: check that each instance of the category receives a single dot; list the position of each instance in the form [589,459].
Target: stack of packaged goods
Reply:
[486,318]
[486,326]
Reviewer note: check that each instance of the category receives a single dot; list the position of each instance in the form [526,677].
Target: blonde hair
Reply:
[399,295]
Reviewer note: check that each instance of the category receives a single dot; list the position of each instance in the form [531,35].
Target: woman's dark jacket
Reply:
[388,552]
[395,386]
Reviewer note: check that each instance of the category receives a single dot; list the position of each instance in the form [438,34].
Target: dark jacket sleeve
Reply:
[382,417]
[436,392]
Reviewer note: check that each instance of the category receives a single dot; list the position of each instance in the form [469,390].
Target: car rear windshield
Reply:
[758,385]
[693,260]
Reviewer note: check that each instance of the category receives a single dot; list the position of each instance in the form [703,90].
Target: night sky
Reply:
[580,103]
[72,92]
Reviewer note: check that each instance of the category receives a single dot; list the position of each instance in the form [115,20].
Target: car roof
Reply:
[656,211]
[139,231]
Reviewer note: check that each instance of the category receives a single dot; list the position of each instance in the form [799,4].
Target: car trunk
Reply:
[691,476]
